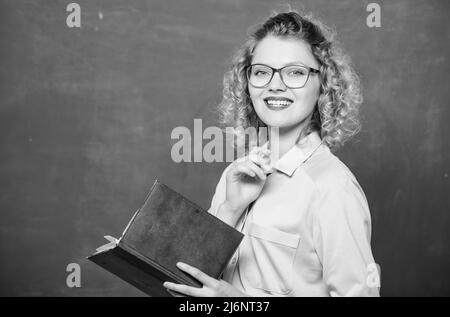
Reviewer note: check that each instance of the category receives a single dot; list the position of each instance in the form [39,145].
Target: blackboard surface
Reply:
[86,116]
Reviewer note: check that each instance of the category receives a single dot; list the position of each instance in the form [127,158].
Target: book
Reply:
[167,229]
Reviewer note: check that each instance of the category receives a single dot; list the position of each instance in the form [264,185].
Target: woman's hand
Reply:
[211,286]
[246,178]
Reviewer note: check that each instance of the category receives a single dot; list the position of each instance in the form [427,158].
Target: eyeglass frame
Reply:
[278,70]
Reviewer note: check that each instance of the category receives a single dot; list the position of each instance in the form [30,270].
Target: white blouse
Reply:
[308,233]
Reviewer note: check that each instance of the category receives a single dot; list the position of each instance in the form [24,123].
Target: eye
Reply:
[297,72]
[260,73]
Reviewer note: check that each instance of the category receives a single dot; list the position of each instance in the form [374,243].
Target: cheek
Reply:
[308,96]
[254,92]
[256,96]
[316,89]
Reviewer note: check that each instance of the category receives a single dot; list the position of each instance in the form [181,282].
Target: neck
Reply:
[287,138]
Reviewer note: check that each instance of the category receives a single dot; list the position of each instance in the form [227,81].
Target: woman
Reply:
[306,219]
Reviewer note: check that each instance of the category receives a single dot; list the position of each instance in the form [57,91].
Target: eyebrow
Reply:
[288,64]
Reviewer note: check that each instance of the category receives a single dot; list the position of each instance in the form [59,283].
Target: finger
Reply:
[183,289]
[260,159]
[265,152]
[257,159]
[175,294]
[196,273]
[263,162]
[244,169]
[257,169]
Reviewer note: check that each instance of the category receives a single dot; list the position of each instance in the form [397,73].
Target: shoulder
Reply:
[334,185]
[326,170]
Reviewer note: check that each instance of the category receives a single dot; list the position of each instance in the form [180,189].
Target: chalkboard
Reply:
[86,117]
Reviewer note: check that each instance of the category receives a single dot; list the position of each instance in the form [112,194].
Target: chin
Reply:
[279,121]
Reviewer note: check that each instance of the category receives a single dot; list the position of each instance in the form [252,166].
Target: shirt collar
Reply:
[298,154]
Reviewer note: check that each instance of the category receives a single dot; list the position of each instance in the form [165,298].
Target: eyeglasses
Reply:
[292,76]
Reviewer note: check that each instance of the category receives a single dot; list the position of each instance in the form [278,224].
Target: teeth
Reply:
[278,102]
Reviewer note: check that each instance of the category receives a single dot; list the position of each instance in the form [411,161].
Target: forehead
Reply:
[278,52]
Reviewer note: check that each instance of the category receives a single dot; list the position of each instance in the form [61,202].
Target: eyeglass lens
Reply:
[294,76]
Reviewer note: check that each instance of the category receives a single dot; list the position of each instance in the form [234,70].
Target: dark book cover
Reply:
[168,229]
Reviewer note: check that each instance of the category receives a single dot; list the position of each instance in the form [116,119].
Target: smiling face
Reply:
[277,105]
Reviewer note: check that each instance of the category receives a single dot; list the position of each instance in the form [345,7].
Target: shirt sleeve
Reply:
[219,194]
[341,234]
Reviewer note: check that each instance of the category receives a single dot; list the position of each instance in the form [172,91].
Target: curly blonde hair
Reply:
[336,115]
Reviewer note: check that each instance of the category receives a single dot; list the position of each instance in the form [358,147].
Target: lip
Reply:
[277,108]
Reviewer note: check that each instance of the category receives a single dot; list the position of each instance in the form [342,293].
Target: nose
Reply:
[276,84]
